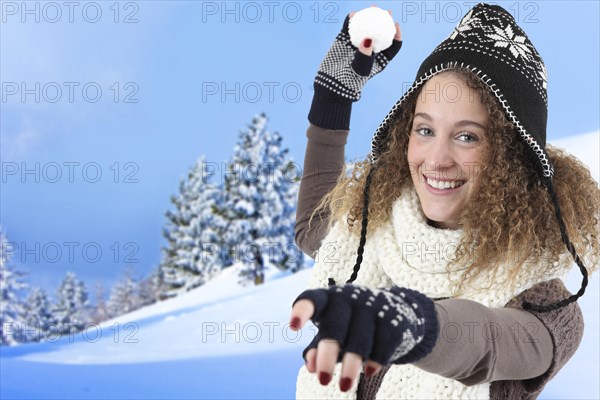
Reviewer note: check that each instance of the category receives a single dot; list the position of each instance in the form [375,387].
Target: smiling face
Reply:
[446,147]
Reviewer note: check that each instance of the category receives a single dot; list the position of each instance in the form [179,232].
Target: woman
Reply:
[453,236]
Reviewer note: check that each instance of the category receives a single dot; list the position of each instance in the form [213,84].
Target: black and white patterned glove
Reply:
[395,326]
[341,77]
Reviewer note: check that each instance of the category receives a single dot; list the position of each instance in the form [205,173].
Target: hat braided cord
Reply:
[363,230]
[565,238]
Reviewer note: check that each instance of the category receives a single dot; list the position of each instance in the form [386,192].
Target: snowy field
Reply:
[223,341]
[219,341]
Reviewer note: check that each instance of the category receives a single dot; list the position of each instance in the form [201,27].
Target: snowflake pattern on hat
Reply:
[543,74]
[506,38]
[488,30]
[465,24]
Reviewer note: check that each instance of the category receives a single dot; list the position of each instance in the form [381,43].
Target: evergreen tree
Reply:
[11,306]
[281,190]
[100,312]
[247,220]
[71,307]
[124,296]
[193,233]
[38,320]
[168,266]
[259,204]
[150,288]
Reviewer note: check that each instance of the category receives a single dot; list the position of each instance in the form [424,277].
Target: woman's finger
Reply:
[327,355]
[366,47]
[351,365]
[371,368]
[311,360]
[302,311]
[398,35]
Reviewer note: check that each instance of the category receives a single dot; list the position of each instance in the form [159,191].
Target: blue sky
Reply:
[170,81]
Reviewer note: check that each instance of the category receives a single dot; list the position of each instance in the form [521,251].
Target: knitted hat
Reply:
[489,42]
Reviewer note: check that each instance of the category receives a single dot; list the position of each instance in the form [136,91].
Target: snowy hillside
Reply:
[227,341]
[221,340]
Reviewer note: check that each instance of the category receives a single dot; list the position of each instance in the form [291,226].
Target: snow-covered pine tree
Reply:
[150,288]
[193,233]
[259,203]
[11,305]
[206,228]
[100,311]
[282,189]
[124,296]
[172,233]
[71,308]
[38,320]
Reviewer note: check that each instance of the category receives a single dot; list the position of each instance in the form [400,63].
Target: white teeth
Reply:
[444,184]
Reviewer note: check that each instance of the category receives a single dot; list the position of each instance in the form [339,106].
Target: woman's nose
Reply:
[439,157]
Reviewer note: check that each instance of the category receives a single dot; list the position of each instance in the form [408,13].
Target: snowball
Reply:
[375,23]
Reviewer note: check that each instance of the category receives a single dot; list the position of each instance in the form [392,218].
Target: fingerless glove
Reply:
[341,77]
[395,326]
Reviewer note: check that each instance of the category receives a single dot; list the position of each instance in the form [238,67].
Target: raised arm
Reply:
[339,82]
[323,163]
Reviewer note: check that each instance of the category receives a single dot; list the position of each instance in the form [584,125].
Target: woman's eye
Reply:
[468,138]
[424,131]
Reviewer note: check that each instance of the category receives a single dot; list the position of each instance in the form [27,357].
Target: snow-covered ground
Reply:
[219,341]
[226,341]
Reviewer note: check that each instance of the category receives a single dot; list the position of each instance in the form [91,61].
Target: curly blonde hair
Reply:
[519,222]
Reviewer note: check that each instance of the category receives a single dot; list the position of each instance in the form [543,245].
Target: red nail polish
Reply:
[370,371]
[324,378]
[345,384]
[295,324]
[367,43]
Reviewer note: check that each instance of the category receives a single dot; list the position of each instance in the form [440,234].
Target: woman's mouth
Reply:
[443,184]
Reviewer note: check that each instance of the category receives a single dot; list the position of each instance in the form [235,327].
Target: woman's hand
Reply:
[396,44]
[346,69]
[342,75]
[360,325]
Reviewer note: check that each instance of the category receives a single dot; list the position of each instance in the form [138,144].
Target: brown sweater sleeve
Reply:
[480,344]
[323,163]
[565,326]
[519,351]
